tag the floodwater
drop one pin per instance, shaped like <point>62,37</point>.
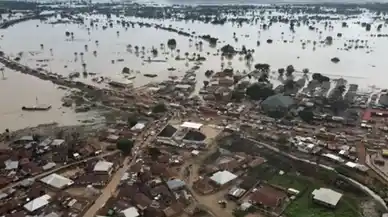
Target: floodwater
<point>362,66</point>
<point>17,90</point>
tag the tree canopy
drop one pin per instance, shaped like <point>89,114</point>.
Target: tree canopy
<point>125,145</point>
<point>154,153</point>
<point>159,108</point>
<point>259,92</point>
<point>306,115</point>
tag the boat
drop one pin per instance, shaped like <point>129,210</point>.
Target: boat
<point>120,84</point>
<point>37,108</point>
<point>171,69</point>
<point>130,77</point>
<point>151,75</point>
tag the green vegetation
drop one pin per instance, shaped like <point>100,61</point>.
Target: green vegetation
<point>305,207</point>
<point>290,181</point>
<point>125,145</point>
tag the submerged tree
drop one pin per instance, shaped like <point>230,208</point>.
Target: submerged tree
<point>289,70</point>
<point>281,71</point>
<point>259,92</point>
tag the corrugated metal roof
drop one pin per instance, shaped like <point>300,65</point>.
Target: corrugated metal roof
<point>57,181</point>
<point>37,203</point>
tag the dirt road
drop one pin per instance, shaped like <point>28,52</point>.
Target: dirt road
<point>108,190</point>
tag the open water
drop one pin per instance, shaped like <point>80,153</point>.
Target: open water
<point>364,66</point>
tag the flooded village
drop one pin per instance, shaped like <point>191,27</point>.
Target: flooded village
<point>149,110</point>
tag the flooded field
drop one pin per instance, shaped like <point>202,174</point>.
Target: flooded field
<point>363,66</point>
<point>17,90</point>
<point>103,50</point>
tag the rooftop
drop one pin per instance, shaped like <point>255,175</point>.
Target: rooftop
<point>175,184</point>
<point>223,177</point>
<point>57,181</point>
<point>37,203</point>
<point>327,196</point>
<point>191,125</point>
<point>11,165</point>
<point>102,166</point>
<point>138,126</point>
<point>130,212</point>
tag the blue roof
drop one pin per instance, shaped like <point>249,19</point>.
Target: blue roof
<point>175,184</point>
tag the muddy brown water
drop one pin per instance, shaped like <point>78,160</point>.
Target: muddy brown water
<point>362,66</point>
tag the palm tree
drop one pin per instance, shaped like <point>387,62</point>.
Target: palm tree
<point>281,71</point>
<point>2,73</point>
<point>290,69</point>
<point>305,71</point>
<point>187,54</point>
<point>136,48</point>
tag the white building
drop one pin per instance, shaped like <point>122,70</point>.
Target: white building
<point>192,125</point>
<point>130,212</point>
<point>103,167</point>
<point>57,181</point>
<point>223,177</point>
<point>37,203</point>
<point>326,197</point>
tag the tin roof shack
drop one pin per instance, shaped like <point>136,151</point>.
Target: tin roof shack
<point>236,193</point>
<point>176,184</point>
<point>326,197</point>
<point>267,197</point>
<point>57,182</point>
<point>38,203</point>
<point>103,167</point>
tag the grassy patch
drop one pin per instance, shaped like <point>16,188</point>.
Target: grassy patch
<point>303,206</point>
<point>289,181</point>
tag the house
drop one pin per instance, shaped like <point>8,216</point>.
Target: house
<point>223,177</point>
<point>268,197</point>
<point>37,203</point>
<point>130,212</point>
<point>11,164</point>
<point>56,181</point>
<point>103,167</point>
<point>175,184</point>
<point>326,197</point>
